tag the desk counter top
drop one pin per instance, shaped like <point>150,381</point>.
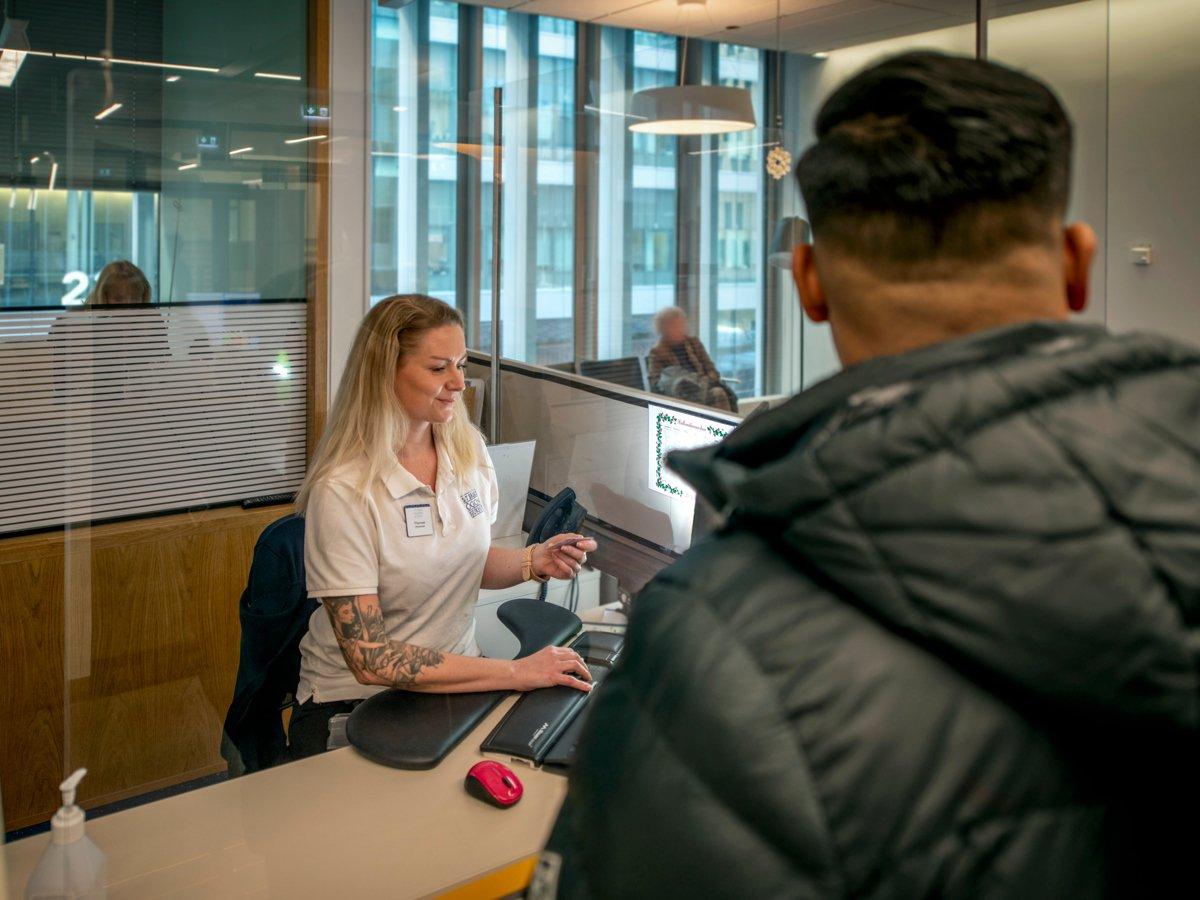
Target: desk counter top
<point>328,826</point>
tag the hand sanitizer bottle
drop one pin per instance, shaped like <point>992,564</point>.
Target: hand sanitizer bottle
<point>72,866</point>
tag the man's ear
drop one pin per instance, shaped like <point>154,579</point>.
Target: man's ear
<point>808,283</point>
<point>1079,247</point>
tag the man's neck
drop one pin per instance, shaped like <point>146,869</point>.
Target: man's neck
<point>888,318</point>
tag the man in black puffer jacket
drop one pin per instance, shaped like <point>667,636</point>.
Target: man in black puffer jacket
<point>946,642</point>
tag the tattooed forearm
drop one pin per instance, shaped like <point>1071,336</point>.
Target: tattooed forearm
<point>399,663</point>
<point>361,633</point>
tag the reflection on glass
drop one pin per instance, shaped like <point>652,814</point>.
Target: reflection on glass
<point>138,405</point>
<point>54,250</point>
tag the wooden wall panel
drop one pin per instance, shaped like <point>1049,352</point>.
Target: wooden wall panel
<point>149,615</point>
<point>31,678</point>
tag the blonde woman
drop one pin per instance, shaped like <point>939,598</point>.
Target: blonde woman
<point>119,282</point>
<point>398,504</point>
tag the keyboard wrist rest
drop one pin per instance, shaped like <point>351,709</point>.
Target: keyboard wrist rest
<point>535,722</point>
<point>415,730</point>
<point>537,624</point>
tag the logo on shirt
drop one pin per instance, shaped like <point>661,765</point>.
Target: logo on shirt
<point>473,504</point>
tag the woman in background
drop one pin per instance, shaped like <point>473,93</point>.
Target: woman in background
<point>119,282</point>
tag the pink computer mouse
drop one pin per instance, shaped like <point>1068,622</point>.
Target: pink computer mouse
<point>494,783</point>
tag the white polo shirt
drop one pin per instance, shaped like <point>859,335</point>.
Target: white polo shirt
<point>422,552</point>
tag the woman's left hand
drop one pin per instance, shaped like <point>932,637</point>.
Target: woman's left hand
<point>562,556</point>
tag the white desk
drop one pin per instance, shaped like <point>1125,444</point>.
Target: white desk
<point>334,825</point>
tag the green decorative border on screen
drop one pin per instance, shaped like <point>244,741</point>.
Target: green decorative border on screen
<point>718,433</point>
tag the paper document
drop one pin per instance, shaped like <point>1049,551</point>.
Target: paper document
<point>672,430</point>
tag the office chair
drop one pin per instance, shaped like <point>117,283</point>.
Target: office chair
<point>274,610</point>
<point>628,371</point>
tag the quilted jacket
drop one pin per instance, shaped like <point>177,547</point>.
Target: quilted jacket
<point>946,643</point>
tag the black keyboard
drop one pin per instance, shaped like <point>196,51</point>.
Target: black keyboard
<point>541,720</point>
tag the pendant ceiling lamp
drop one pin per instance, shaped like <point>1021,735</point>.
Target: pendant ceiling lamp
<point>690,109</point>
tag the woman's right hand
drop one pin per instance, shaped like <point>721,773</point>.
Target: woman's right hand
<point>551,666</point>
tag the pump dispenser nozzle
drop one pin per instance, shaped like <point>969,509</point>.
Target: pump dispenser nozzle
<point>67,824</point>
<point>68,786</point>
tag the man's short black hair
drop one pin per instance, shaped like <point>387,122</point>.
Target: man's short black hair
<point>929,158</point>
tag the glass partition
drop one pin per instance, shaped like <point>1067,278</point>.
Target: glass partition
<point>155,173</point>
<point>604,228</point>
<point>193,172</point>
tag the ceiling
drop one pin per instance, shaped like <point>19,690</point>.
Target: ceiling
<point>805,26</point>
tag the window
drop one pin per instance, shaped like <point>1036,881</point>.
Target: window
<point>636,207</point>
<point>735,299</point>
<point>414,146</point>
<point>188,175</point>
<point>553,339</point>
<point>671,221</point>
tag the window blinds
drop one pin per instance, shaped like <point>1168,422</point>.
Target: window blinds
<point>115,412</point>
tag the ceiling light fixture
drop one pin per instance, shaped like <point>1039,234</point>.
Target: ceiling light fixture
<point>240,150</point>
<point>277,75</point>
<point>120,61</point>
<point>14,46</point>
<point>311,137</point>
<point>171,79</point>
<point>53,175</point>
<point>692,109</point>
<point>187,166</point>
<point>107,111</point>
<point>33,160</point>
<point>157,65</point>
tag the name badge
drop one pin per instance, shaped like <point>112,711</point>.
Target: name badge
<point>418,520</point>
<point>473,504</point>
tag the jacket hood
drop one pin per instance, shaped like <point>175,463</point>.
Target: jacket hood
<point>1025,502</point>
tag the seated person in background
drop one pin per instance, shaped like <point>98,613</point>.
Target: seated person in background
<point>399,501</point>
<point>101,371</point>
<point>119,282</point>
<point>947,643</point>
<point>679,366</point>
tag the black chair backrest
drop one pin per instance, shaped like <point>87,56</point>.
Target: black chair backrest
<point>274,611</point>
<point>628,371</point>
